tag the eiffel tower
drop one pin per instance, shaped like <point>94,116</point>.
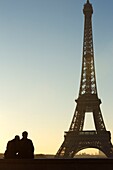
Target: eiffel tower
<point>76,138</point>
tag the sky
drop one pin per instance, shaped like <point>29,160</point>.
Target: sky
<point>41,45</point>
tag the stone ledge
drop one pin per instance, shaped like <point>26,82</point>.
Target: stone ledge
<point>57,164</point>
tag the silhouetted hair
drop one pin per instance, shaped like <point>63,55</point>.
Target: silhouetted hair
<point>17,137</point>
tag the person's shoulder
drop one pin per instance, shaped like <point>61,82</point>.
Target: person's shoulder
<point>29,140</point>
<point>10,141</point>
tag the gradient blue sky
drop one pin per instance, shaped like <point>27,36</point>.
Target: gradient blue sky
<point>40,67</point>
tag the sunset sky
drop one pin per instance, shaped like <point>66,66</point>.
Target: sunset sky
<point>40,66</point>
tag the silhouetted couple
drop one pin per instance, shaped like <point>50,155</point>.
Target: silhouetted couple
<point>20,149</point>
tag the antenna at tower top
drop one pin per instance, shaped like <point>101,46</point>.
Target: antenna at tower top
<point>87,1</point>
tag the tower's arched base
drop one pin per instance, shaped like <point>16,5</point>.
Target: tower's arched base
<point>76,141</point>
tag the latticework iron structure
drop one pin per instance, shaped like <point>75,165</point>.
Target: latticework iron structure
<point>76,138</point>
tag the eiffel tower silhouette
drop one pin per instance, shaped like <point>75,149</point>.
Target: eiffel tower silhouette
<point>76,139</point>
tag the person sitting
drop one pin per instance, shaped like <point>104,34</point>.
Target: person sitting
<point>26,150</point>
<point>12,148</point>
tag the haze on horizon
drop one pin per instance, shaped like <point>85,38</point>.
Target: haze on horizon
<point>40,66</point>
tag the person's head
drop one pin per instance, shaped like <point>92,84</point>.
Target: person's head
<point>17,138</point>
<point>25,134</point>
